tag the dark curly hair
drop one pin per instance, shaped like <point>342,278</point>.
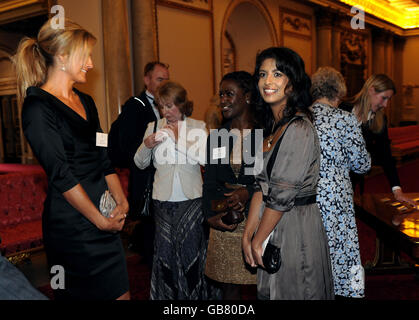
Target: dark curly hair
<point>245,81</point>
<point>297,89</point>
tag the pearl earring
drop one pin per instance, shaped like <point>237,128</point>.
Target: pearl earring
<point>247,101</point>
<point>63,68</point>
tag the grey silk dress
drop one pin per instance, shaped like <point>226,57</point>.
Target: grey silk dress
<point>305,272</point>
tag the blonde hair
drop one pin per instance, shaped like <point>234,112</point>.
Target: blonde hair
<point>362,101</point>
<point>328,83</point>
<point>34,57</point>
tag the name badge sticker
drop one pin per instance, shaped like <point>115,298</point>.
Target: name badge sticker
<point>219,153</point>
<point>101,139</point>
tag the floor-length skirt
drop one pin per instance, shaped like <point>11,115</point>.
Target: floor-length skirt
<point>180,248</point>
<point>305,272</point>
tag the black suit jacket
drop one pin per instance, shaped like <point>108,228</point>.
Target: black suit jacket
<point>379,146</point>
<point>217,174</point>
<point>135,115</point>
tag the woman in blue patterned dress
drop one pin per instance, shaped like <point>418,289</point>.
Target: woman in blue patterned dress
<point>342,150</point>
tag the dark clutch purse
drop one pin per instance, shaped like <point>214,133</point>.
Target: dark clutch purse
<point>271,258</point>
<point>232,216</point>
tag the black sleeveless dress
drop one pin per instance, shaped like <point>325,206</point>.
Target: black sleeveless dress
<point>65,145</point>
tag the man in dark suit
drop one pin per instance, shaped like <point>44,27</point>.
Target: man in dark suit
<point>136,113</point>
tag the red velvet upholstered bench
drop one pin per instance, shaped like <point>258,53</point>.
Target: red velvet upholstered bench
<point>404,141</point>
<point>22,193</point>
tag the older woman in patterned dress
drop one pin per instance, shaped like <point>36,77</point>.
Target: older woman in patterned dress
<point>342,150</point>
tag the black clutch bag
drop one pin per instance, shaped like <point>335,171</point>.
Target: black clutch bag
<point>232,216</point>
<point>271,258</point>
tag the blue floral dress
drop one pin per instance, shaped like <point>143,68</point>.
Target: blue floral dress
<point>342,150</point>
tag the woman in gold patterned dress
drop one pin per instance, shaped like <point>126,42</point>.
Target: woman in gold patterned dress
<point>228,174</point>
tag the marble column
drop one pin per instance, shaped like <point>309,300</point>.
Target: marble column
<point>144,38</point>
<point>389,63</point>
<point>379,39</point>
<point>117,56</point>
<point>383,62</point>
<point>337,29</point>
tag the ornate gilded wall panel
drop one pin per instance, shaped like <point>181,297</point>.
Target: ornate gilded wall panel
<point>296,32</point>
<point>353,56</point>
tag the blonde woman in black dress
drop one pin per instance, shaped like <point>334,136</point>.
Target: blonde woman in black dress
<point>61,125</point>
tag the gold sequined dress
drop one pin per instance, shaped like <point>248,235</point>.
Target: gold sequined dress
<point>225,261</point>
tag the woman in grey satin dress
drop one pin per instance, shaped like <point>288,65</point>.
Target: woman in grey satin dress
<point>283,208</point>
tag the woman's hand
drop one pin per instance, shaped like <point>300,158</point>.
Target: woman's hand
<point>247,250</point>
<point>173,130</point>
<point>150,142</point>
<point>237,199</point>
<point>401,197</point>
<point>257,252</point>
<point>216,223</point>
<point>116,220</point>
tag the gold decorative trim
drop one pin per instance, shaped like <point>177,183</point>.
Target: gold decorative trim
<point>21,256</point>
<point>8,5</point>
<point>369,18</point>
<point>304,31</point>
<point>187,5</point>
<point>295,23</point>
<point>388,11</point>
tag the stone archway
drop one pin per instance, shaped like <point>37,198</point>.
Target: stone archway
<point>247,29</point>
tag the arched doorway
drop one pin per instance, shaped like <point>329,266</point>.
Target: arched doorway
<point>247,29</point>
<point>10,135</point>
<point>13,146</point>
